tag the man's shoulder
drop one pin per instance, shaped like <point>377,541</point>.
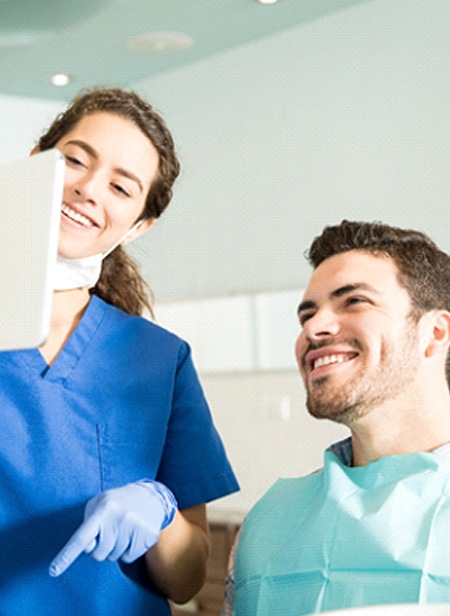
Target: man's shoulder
<point>285,493</point>
<point>273,520</point>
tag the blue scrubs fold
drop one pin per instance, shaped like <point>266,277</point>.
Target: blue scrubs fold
<point>121,401</point>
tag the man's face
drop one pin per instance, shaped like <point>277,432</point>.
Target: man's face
<point>359,346</point>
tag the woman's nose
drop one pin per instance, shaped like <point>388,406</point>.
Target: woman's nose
<point>87,187</point>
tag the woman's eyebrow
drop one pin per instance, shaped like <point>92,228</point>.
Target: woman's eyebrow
<point>84,146</point>
<point>130,176</point>
<point>94,154</point>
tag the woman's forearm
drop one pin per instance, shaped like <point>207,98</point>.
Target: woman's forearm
<point>177,563</point>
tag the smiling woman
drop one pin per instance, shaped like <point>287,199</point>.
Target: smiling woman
<point>105,428</point>
<point>120,282</point>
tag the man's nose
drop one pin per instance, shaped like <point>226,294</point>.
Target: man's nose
<point>323,323</point>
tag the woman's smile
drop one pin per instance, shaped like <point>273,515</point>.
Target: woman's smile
<point>77,217</point>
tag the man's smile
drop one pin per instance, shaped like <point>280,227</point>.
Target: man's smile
<point>327,357</point>
<point>326,360</point>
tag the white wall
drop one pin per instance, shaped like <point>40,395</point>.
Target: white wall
<point>260,444</point>
<point>346,116</point>
<point>22,121</point>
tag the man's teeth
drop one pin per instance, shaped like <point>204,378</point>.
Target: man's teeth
<point>329,359</point>
<point>83,220</point>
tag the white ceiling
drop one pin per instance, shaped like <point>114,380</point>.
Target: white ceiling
<point>287,117</point>
<point>88,39</point>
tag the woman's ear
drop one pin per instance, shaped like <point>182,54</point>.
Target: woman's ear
<point>141,227</point>
<point>440,338</point>
<point>34,150</point>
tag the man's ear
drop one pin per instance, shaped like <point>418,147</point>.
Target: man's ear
<point>440,336</point>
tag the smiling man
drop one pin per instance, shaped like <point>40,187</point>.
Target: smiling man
<point>373,525</point>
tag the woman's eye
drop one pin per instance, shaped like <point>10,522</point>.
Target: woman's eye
<point>120,189</point>
<point>73,160</point>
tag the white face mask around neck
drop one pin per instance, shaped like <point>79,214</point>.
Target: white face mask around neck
<point>83,273</point>
<point>77,273</point>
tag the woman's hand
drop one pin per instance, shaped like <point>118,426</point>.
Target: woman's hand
<point>120,523</point>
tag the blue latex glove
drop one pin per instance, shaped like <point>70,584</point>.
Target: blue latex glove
<point>120,523</point>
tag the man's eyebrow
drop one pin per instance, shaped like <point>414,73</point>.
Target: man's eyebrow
<point>339,292</point>
<point>351,288</point>
<point>306,305</point>
<point>93,152</point>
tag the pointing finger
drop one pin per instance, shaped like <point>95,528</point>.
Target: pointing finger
<point>83,540</point>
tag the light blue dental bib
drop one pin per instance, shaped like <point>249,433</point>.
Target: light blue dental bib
<point>347,537</point>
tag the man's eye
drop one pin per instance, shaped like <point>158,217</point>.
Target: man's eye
<point>355,300</point>
<point>305,317</point>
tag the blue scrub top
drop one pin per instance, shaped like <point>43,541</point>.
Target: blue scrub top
<point>122,401</point>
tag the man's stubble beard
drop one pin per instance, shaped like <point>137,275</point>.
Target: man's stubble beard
<point>369,388</point>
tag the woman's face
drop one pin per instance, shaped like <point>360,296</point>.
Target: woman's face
<point>110,166</point>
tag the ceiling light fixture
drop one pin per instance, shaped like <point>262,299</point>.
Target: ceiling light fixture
<point>267,1</point>
<point>21,38</point>
<point>60,80</point>
<point>154,42</point>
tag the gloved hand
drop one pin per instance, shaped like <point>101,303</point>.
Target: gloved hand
<point>120,523</point>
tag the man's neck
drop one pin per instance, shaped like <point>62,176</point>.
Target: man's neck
<point>391,431</point>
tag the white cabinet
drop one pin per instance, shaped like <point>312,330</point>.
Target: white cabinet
<point>238,333</point>
<point>277,329</point>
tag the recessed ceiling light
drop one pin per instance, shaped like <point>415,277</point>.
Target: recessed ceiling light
<point>60,80</point>
<point>153,42</point>
<point>267,1</point>
<point>20,38</point>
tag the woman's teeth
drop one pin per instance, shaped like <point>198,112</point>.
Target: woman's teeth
<point>83,220</point>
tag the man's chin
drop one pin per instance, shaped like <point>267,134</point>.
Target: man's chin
<point>328,409</point>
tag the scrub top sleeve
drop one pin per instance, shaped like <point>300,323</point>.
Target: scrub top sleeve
<point>194,464</point>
